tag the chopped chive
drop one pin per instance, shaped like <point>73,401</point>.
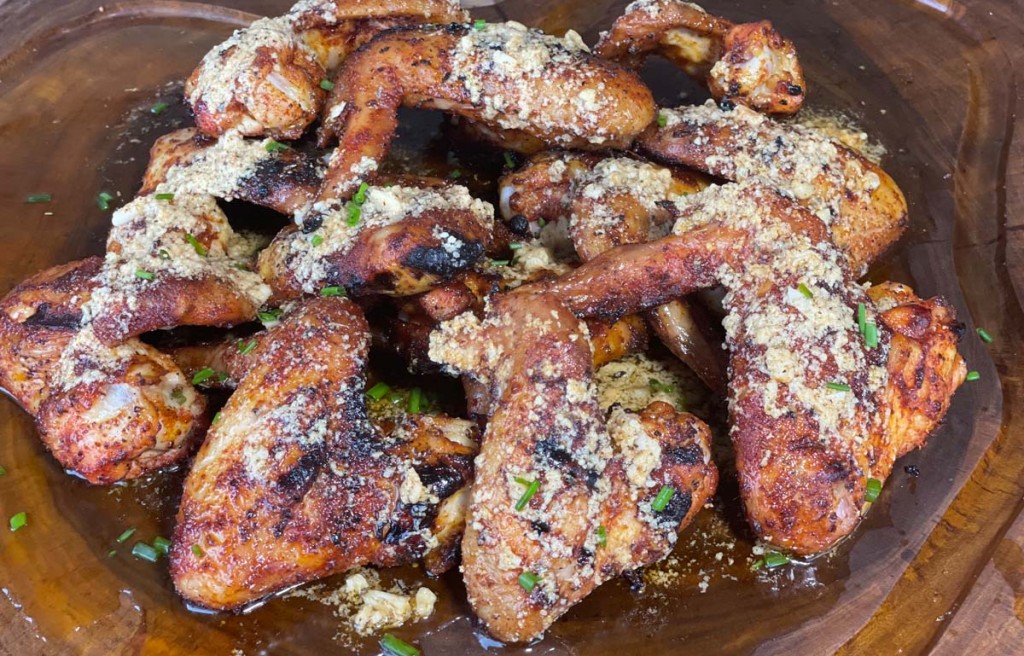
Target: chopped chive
<point>177,395</point>
<point>200,249</point>
<point>124,536</point>
<point>415,397</point>
<point>515,246</point>
<point>145,275</point>
<point>111,553</point>
<point>397,647</point>
<point>455,175</point>
<point>531,489</point>
<point>602,536</point>
<point>360,196</point>
<point>872,489</point>
<point>273,146</point>
<point>871,335</point>
<point>164,255</point>
<point>805,290</point>
<point>838,387</point>
<point>541,223</point>
<point>316,240</point>
<point>774,559</point>
<point>985,337</point>
<point>222,376</point>
<point>658,386</point>
<point>269,316</point>
<point>662,120</point>
<point>197,551</point>
<point>862,317</point>
<point>333,291</point>
<point>3,472</point>
<point>378,391</point>
<point>510,162</point>
<point>159,108</point>
<point>103,200</point>
<point>479,24</point>
<point>972,375</point>
<point>216,417</point>
<point>162,545</point>
<point>665,495</point>
<point>247,347</point>
<point>203,375</point>
<point>38,198</point>
<point>327,85</point>
<point>145,552</point>
<point>167,196</point>
<point>354,211</point>
<point>241,266</point>
<point>528,581</point>
<point>19,521</point>
<point>501,262</point>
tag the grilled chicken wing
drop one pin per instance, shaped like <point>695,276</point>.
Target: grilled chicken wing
<point>398,240</point>
<point>294,483</point>
<point>818,404</point>
<point>855,197</point>
<point>503,76</point>
<point>562,500</point>
<point>748,64</point>
<point>106,414</point>
<point>267,79</point>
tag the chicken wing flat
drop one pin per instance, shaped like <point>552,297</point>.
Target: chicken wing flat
<point>294,483</point>
<point>397,240</point>
<point>502,75</point>
<point>107,414</point>
<point>562,500</point>
<point>826,387</point>
<point>859,201</point>
<point>748,64</point>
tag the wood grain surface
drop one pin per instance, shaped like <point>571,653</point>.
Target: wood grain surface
<point>938,566</point>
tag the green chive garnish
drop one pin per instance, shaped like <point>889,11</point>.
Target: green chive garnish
<point>200,249</point>
<point>360,196</point>
<point>501,262</point>
<point>178,395</point>
<point>972,375</point>
<point>805,290</point>
<point>354,211</point>
<point>162,545</point>
<point>528,581</point>
<point>774,559</point>
<point>985,337</point>
<point>38,198</point>
<point>515,246</point>
<point>838,387</point>
<point>602,536</point>
<point>872,489</point>
<point>145,552</point>
<point>111,553</point>
<point>203,375</point>
<point>197,551</point>
<point>415,397</point>
<point>19,521</point>
<point>316,240</point>
<point>327,85</point>
<point>159,108</point>
<point>103,200</point>
<point>397,647</point>
<point>665,495</point>
<point>862,317</point>
<point>333,291</point>
<point>216,417</point>
<point>378,391</point>
<point>3,472</point>
<point>531,489</point>
<point>124,536</point>
<point>479,24</point>
<point>269,316</point>
<point>510,162</point>
<point>658,386</point>
<point>871,335</point>
<point>145,275</point>
<point>455,175</point>
<point>164,255</point>
<point>662,120</point>
<point>245,348</point>
<point>167,196</point>
<point>275,146</point>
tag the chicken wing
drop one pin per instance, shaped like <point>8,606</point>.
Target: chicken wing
<point>825,390</point>
<point>859,201</point>
<point>294,483</point>
<point>503,75</point>
<point>748,64</point>
<point>562,500</point>
<point>107,414</point>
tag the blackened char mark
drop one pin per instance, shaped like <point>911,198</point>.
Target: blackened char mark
<point>442,262</point>
<point>677,507</point>
<point>551,452</point>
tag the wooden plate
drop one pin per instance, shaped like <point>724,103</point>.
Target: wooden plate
<point>937,565</point>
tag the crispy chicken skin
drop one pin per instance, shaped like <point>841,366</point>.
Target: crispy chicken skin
<point>403,240</point>
<point>747,64</point>
<point>294,483</point>
<point>266,79</point>
<point>815,410</point>
<point>859,201</point>
<point>106,414</point>
<point>503,76</point>
<point>528,558</point>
